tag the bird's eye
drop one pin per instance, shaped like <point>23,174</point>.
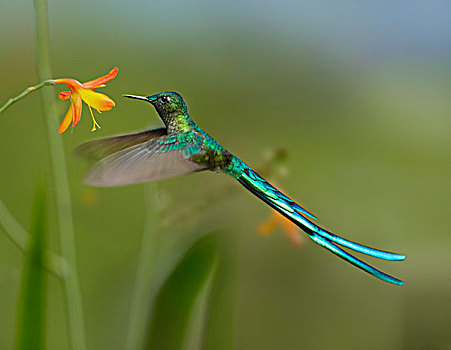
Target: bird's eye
<point>164,99</point>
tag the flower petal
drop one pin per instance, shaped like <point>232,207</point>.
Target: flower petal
<point>75,102</point>
<point>96,83</point>
<point>72,84</point>
<point>269,225</point>
<point>64,95</point>
<point>66,121</point>
<point>97,100</point>
<point>291,230</point>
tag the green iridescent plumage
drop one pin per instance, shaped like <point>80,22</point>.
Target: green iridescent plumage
<point>183,147</point>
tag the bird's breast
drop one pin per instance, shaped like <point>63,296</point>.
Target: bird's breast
<point>213,159</point>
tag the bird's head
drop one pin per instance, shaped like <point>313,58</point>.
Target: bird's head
<point>166,103</point>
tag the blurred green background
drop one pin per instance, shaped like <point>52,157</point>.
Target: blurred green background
<point>357,92</point>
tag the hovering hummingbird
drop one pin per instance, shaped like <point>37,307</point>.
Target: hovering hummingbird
<point>182,147</point>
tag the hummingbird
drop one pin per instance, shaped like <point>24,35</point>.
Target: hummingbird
<point>182,147</point>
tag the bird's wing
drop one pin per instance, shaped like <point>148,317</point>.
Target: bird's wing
<point>101,148</point>
<point>157,159</point>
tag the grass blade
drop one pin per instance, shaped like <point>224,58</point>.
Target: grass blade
<point>220,324</point>
<point>175,302</point>
<point>32,300</point>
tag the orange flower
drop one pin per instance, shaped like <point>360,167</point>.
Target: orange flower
<point>85,92</point>
<point>277,219</point>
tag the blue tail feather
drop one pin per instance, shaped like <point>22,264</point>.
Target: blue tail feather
<point>284,205</point>
<point>273,194</point>
<point>353,260</point>
<point>380,254</point>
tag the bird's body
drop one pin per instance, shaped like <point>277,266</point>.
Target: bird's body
<point>182,147</point>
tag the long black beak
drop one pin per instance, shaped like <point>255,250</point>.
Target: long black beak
<point>136,97</point>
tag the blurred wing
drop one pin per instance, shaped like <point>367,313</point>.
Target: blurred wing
<point>157,159</point>
<point>99,149</point>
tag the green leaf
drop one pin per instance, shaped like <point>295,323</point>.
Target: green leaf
<point>32,300</point>
<point>175,302</point>
<point>220,323</point>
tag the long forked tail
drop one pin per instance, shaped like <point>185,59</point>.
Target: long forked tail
<point>277,200</point>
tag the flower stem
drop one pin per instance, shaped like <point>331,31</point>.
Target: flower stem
<point>71,285</point>
<point>27,91</point>
<point>145,272</point>
<point>12,228</point>
<point>21,239</point>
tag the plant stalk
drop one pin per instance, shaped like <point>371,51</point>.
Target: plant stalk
<point>144,274</point>
<point>71,284</point>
